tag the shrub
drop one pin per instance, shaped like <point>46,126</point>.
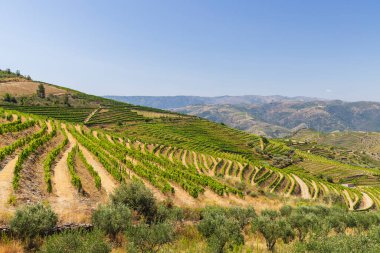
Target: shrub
<point>168,213</point>
<point>33,220</point>
<point>222,226</point>
<point>112,219</point>
<point>76,242</point>
<point>286,210</point>
<point>341,243</point>
<point>41,91</point>
<point>302,223</point>
<point>137,197</point>
<point>149,238</point>
<point>273,227</point>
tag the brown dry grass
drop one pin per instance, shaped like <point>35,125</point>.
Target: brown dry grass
<point>147,114</point>
<point>23,88</point>
<point>11,247</point>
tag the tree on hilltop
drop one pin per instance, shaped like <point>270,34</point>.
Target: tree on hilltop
<point>41,91</point>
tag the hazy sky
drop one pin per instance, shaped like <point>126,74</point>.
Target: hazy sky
<point>320,48</point>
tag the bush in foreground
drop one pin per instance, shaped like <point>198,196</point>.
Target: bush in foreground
<point>137,197</point>
<point>76,242</point>
<point>33,220</point>
<point>222,227</point>
<point>149,238</point>
<point>112,219</point>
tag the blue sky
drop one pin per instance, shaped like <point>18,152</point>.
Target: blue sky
<point>324,48</point>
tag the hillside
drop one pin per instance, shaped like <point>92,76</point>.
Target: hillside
<point>273,116</point>
<point>76,152</point>
<point>193,161</point>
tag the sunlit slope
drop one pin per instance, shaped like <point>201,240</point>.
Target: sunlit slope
<point>74,154</point>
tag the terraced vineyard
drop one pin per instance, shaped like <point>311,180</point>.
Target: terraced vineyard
<point>74,167</point>
<point>73,155</point>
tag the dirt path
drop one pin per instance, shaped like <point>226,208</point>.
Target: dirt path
<point>348,197</point>
<point>91,114</point>
<point>78,128</point>
<point>183,158</point>
<point>170,155</point>
<point>32,185</point>
<point>108,184</point>
<point>62,183</point>
<point>316,190</point>
<point>95,134</point>
<point>305,194</point>
<point>15,117</point>
<point>325,188</point>
<point>196,162</point>
<point>228,168</point>
<point>109,139</point>
<point>214,164</point>
<point>66,201</point>
<point>182,198</point>
<point>205,162</point>
<point>241,167</point>
<point>6,175</point>
<point>292,183</point>
<point>367,202</point>
<point>49,127</point>
<point>279,179</point>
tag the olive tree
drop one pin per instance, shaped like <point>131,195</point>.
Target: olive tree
<point>149,237</point>
<point>112,219</point>
<point>137,197</point>
<point>273,227</point>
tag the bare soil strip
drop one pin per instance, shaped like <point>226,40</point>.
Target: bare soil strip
<point>95,134</point>
<point>49,127</point>
<point>205,162</point>
<point>280,178</point>
<point>67,202</point>
<point>350,202</point>
<point>196,162</point>
<point>366,203</point>
<point>325,188</point>
<point>305,194</point>
<point>33,188</point>
<point>94,195</point>
<point>91,114</point>
<point>184,154</point>
<point>9,138</point>
<point>6,176</point>
<point>315,189</point>
<point>108,184</point>
<point>109,139</point>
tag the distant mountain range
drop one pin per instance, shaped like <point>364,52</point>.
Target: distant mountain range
<point>273,116</point>
<point>172,102</point>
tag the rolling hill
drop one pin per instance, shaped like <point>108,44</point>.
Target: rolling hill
<point>273,116</point>
<point>72,149</point>
<point>76,153</point>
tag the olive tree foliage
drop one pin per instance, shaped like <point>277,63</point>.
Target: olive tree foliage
<point>137,197</point>
<point>112,219</point>
<point>33,220</point>
<point>76,242</point>
<point>341,243</point>
<point>273,227</point>
<point>41,91</point>
<point>222,227</point>
<point>149,237</point>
